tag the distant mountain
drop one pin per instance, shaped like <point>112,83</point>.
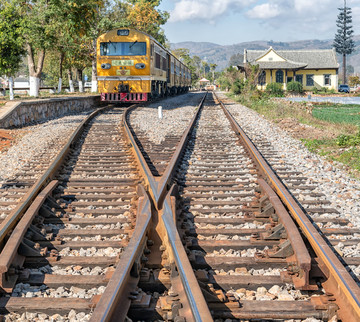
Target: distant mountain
<point>220,55</point>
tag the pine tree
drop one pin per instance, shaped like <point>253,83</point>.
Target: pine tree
<point>343,41</point>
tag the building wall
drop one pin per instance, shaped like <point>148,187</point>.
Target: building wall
<point>319,78</point>
<point>271,56</point>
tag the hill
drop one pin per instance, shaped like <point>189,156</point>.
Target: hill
<point>220,55</point>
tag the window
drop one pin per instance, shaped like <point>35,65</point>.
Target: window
<point>310,80</point>
<point>122,48</point>
<point>164,64</point>
<point>299,78</point>
<point>327,79</point>
<point>279,76</point>
<point>157,61</point>
<point>262,78</point>
<point>172,68</point>
<point>123,32</point>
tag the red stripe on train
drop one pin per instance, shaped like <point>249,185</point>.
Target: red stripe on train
<point>124,97</point>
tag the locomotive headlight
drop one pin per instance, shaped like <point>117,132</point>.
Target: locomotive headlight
<point>105,66</point>
<point>140,66</point>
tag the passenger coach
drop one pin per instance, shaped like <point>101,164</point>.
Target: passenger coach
<point>132,66</point>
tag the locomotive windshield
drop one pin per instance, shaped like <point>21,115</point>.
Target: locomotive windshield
<point>123,48</point>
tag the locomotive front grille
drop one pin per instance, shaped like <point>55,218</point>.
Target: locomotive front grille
<point>124,97</point>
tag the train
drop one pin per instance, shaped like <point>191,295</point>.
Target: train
<point>133,67</point>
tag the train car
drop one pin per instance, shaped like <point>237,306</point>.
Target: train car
<point>133,67</point>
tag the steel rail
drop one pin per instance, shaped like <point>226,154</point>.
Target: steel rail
<point>12,219</point>
<point>302,255</point>
<point>198,305</point>
<point>115,302</point>
<point>10,250</point>
<point>158,186</point>
<point>143,166</point>
<point>339,282</point>
<point>192,290</point>
<point>163,183</point>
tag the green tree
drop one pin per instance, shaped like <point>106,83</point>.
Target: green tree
<point>11,41</point>
<point>343,42</point>
<point>354,81</point>
<point>39,35</point>
<point>236,59</point>
<point>212,68</point>
<point>143,15</point>
<point>231,78</point>
<point>75,20</point>
<point>197,64</point>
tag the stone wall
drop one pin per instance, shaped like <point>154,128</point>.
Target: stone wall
<point>27,112</point>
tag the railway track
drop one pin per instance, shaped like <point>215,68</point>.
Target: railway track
<point>71,237</point>
<point>202,231</point>
<point>233,214</point>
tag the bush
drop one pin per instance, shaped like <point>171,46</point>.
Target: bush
<point>238,86</point>
<point>295,87</point>
<point>348,140</point>
<point>315,90</point>
<point>275,89</point>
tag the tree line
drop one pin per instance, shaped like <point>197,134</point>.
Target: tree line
<point>61,34</point>
<point>199,68</point>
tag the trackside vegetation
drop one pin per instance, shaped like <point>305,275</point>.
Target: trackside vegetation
<point>60,35</point>
<point>330,130</point>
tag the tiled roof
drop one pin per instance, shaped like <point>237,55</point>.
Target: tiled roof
<point>312,59</point>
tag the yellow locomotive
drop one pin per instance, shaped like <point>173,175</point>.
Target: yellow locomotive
<point>133,67</point>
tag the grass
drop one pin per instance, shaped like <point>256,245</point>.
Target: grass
<point>348,114</point>
<point>338,125</point>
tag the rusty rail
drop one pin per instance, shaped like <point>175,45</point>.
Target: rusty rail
<point>195,307</point>
<point>302,255</point>
<point>163,184</point>
<point>9,254</point>
<point>115,302</point>
<point>159,186</point>
<point>339,282</point>
<point>12,219</point>
<point>197,304</point>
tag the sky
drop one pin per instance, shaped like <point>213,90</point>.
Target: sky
<point>228,22</point>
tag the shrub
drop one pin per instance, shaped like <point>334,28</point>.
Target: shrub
<point>348,140</point>
<point>295,87</point>
<point>275,89</point>
<point>238,86</point>
<point>315,90</point>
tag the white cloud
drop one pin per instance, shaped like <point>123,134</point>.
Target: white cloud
<point>304,16</point>
<point>264,11</point>
<point>205,9</point>
<point>305,5</point>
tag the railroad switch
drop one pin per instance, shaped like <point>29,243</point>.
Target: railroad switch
<point>326,303</point>
<point>29,248</point>
<point>284,250</point>
<point>277,233</point>
<point>139,299</point>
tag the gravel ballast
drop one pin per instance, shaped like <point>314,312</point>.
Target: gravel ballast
<point>40,141</point>
<point>177,113</point>
<point>339,188</point>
